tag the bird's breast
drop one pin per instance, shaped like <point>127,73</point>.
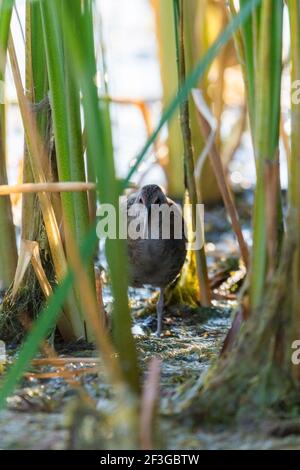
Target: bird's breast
<point>155,262</point>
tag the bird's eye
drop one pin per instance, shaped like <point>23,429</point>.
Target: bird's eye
<point>140,201</point>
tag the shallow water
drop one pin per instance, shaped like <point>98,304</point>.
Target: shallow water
<point>37,414</point>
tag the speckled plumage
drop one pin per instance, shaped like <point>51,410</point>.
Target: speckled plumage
<point>156,262</point>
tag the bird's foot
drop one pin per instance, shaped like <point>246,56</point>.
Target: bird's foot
<point>157,334</point>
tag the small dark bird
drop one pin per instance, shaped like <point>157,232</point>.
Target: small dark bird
<point>155,259</point>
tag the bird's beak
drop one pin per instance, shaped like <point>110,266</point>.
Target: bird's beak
<point>145,222</point>
<point>148,208</point>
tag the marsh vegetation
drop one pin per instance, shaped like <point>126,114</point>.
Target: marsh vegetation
<point>78,350</point>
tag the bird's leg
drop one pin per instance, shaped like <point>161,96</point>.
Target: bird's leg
<point>160,311</point>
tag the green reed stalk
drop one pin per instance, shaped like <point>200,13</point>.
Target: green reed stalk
<point>260,50</point>
<point>33,227</point>
<point>100,153</point>
<point>168,71</point>
<point>55,64</point>
<point>249,52</point>
<point>76,153</point>
<point>294,170</point>
<point>65,106</point>
<point>75,140</point>
<point>267,215</point>
<point>8,249</point>
<point>36,90</point>
<point>189,152</point>
<point>194,43</point>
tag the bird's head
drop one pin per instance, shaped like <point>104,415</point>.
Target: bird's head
<point>149,195</point>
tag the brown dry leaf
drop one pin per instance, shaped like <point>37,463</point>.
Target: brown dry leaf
<point>26,250</point>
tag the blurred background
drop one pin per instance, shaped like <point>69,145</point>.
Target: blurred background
<point>136,58</point>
